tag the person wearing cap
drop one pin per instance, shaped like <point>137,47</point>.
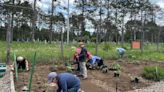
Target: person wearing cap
<point>22,63</point>
<point>82,60</point>
<point>121,52</point>
<point>66,82</point>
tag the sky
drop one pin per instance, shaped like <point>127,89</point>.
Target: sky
<point>46,6</point>
<point>45,3</point>
<point>160,21</point>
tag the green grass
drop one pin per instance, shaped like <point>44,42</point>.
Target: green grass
<point>153,73</point>
<point>52,52</point>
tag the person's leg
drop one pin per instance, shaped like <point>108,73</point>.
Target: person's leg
<point>84,70</point>
<point>18,65</point>
<point>23,64</point>
<point>74,89</point>
<point>121,54</point>
<point>80,68</point>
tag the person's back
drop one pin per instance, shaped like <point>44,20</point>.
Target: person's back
<point>67,81</point>
<point>96,58</point>
<point>121,50</point>
<point>83,54</point>
<point>22,63</point>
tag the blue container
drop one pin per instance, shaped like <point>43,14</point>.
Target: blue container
<point>3,68</point>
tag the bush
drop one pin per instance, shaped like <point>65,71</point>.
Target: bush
<point>153,73</point>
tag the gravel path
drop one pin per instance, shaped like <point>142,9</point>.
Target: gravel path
<point>6,83</point>
<point>156,87</point>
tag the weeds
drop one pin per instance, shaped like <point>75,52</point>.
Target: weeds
<point>153,73</point>
<point>51,52</point>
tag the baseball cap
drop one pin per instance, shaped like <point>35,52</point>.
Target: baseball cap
<point>51,76</point>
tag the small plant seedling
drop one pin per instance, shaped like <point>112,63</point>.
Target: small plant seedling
<point>116,73</point>
<point>135,80</point>
<point>104,68</point>
<point>116,66</point>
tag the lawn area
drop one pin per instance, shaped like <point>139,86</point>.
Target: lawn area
<point>52,52</point>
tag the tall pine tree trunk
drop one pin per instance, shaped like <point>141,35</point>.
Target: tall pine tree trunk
<point>8,39</point>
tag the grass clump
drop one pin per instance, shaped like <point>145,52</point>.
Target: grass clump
<point>155,73</point>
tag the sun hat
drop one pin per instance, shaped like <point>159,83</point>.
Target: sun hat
<point>81,43</point>
<point>20,58</point>
<point>51,76</point>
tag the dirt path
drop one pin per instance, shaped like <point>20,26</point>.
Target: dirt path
<point>87,86</point>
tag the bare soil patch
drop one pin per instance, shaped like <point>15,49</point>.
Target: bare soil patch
<point>96,82</point>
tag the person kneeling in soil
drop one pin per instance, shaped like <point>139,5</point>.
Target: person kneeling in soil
<point>22,63</point>
<point>66,82</point>
<point>95,62</point>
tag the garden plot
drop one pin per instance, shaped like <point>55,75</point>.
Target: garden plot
<point>96,82</point>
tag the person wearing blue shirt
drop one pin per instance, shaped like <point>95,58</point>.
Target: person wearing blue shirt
<point>121,52</point>
<point>66,82</point>
<point>96,60</point>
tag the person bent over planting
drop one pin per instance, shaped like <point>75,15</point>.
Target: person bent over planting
<point>22,63</point>
<point>82,60</point>
<point>66,82</point>
<point>95,61</point>
<point>121,52</point>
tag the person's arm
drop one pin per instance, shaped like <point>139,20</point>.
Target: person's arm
<point>59,89</point>
<point>27,67</point>
<point>63,86</point>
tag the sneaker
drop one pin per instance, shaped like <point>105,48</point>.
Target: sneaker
<point>84,78</point>
<point>80,90</point>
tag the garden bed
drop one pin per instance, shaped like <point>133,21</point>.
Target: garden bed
<point>97,81</point>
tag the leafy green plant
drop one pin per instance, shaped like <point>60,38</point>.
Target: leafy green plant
<point>153,73</point>
<point>116,67</point>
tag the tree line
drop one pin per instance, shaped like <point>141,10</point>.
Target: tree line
<point>111,20</point>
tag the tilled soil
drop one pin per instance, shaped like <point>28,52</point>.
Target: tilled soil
<point>96,82</point>
<point>6,82</point>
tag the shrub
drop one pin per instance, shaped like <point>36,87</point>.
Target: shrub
<point>153,73</point>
